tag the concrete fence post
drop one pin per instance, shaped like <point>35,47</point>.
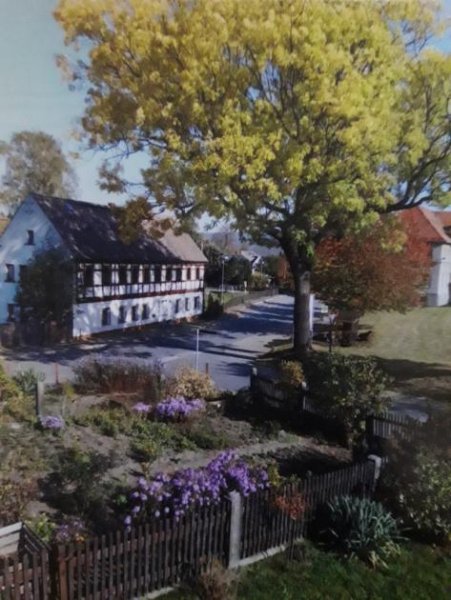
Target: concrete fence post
<point>39,396</point>
<point>377,468</point>
<point>236,521</point>
<point>253,378</point>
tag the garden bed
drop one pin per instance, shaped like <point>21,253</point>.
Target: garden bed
<point>84,458</point>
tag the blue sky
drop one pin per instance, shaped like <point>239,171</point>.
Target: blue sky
<point>33,95</point>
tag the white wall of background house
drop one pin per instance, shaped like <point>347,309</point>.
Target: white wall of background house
<point>139,304</point>
<point>28,233</point>
<point>439,292</point>
<point>98,307</point>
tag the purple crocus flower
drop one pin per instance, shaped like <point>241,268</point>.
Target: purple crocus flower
<point>51,422</point>
<point>177,493</point>
<point>141,408</point>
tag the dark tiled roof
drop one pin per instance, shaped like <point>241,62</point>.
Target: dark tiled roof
<point>90,233</point>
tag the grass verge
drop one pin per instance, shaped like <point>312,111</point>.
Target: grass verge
<point>418,573</point>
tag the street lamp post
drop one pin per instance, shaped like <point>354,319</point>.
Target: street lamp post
<point>197,347</point>
<point>222,280</point>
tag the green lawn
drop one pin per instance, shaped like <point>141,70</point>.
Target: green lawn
<point>420,335</point>
<point>418,573</point>
<point>415,348</point>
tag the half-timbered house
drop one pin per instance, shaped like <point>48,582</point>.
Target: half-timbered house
<point>116,285</point>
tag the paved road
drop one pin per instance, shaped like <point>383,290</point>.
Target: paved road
<point>229,345</point>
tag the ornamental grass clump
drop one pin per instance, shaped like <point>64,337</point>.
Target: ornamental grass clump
<point>178,408</point>
<point>100,375</point>
<point>360,527</point>
<point>177,493</point>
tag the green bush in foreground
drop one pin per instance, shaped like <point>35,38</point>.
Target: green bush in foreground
<point>417,480</point>
<point>347,388</point>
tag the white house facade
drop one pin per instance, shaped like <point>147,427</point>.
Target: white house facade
<point>115,285</point>
<point>439,291</point>
<point>433,227</point>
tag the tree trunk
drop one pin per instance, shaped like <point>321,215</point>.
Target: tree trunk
<point>301,313</point>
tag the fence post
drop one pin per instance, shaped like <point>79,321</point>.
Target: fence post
<point>57,571</point>
<point>377,460</point>
<point>235,529</point>
<point>39,395</point>
<point>252,382</point>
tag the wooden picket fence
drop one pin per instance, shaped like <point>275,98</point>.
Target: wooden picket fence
<point>388,425</point>
<point>25,576</point>
<point>384,426</point>
<point>274,519</point>
<point>131,563</point>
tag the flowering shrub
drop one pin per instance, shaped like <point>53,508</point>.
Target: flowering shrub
<point>71,530</point>
<point>175,494</point>
<point>141,408</point>
<point>51,422</point>
<point>178,408</point>
<point>294,506</point>
<point>191,383</point>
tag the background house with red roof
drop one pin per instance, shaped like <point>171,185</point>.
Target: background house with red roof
<point>434,229</point>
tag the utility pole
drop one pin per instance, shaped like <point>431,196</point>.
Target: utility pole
<point>222,280</point>
<point>197,347</point>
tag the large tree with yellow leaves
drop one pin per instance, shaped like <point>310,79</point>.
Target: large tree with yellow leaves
<point>294,118</point>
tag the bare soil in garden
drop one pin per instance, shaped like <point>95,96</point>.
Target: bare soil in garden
<point>29,453</point>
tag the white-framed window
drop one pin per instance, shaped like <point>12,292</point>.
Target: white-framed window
<point>30,237</point>
<point>197,303</point>
<point>12,312</point>
<point>106,275</point>
<point>122,275</point>
<point>135,312</point>
<point>177,306</point>
<point>186,303</point>
<point>122,314</point>
<point>135,274</point>
<point>106,317</point>
<point>88,276</point>
<point>145,312</point>
<point>10,273</point>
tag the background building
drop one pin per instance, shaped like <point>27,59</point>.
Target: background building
<point>115,285</point>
